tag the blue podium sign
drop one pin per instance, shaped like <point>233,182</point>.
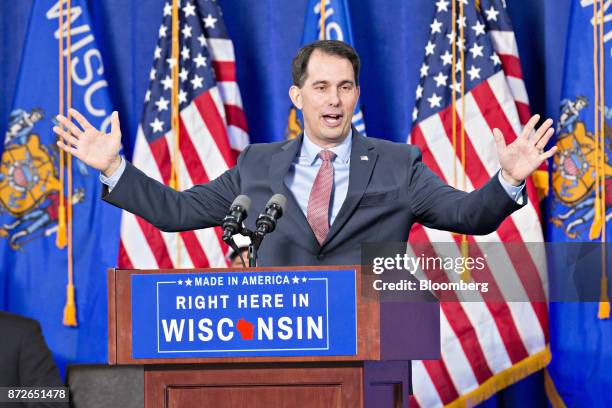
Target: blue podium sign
<point>238,314</point>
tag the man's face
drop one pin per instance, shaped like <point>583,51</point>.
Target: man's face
<point>327,98</point>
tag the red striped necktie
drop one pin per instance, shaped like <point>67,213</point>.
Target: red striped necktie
<point>317,213</point>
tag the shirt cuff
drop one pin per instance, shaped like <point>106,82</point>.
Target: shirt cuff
<point>514,192</point>
<point>113,179</point>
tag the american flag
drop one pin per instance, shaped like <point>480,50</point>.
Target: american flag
<point>485,346</point>
<point>212,133</point>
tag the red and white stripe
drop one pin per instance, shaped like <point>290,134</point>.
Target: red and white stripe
<point>213,131</point>
<point>481,339</point>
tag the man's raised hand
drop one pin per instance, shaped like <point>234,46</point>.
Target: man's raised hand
<point>94,148</point>
<point>523,156</point>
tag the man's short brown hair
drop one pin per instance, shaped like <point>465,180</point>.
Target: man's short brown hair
<point>337,48</point>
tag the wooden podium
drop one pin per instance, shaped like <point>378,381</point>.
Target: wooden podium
<point>377,376</point>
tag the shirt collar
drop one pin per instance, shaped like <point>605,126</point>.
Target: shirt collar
<point>310,150</point>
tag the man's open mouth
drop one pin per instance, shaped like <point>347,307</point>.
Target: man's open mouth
<point>332,119</point>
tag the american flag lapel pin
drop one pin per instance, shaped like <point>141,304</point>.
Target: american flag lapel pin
<point>364,158</point>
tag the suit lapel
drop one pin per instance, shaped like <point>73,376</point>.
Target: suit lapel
<point>363,159</point>
<point>281,161</point>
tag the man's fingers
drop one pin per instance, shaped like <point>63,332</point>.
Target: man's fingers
<point>530,125</point>
<point>68,149</point>
<point>499,139</point>
<point>69,125</point>
<point>68,137</point>
<point>541,143</point>
<point>115,128</point>
<point>81,119</point>
<point>549,153</point>
<point>542,129</point>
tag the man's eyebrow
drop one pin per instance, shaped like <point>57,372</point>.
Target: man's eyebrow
<point>324,82</point>
<point>320,82</point>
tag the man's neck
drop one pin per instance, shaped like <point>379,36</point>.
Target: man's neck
<point>328,145</point>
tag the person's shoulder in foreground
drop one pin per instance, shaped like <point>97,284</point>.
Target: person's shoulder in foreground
<point>26,359</point>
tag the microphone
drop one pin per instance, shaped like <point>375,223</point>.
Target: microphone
<point>266,222</point>
<point>238,211</point>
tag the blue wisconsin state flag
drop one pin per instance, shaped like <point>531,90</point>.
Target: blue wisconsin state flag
<point>337,26</point>
<point>581,368</point>
<point>33,274</point>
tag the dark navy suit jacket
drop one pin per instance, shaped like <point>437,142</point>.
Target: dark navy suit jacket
<point>387,193</point>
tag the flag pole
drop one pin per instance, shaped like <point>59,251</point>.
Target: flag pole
<point>70,307</point>
<point>174,179</point>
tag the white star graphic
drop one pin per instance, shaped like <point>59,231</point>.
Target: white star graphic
<point>147,95</point>
<point>456,87</point>
<point>186,31</point>
<point>167,82</point>
<point>478,28</point>
<point>447,58</point>
<point>171,62</point>
<point>461,43</point>
<point>440,79</point>
<point>474,73</point>
<point>458,67</point>
<point>419,92</point>
<point>185,52</point>
<point>200,61</point>
<point>167,9</point>
<point>152,74</point>
<point>451,37</point>
<point>157,52</point>
<point>495,58</point>
<point>434,101</point>
<point>429,48</point>
<point>183,74</point>
<point>197,82</point>
<point>476,50</point>
<point>182,96</point>
<point>415,114</point>
<point>189,10</point>
<point>162,31</point>
<point>436,26</point>
<point>188,281</point>
<point>304,279</point>
<point>180,282</point>
<point>491,14</point>
<point>157,125</point>
<point>202,40</point>
<point>209,21</point>
<point>442,5</point>
<point>424,70</point>
<point>162,104</point>
<point>296,279</point>
<point>461,21</point>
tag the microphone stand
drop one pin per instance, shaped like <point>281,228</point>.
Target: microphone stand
<point>256,238</point>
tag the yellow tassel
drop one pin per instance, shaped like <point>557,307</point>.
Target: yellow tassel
<point>604,303</point>
<point>60,239</point>
<point>597,221</point>
<point>604,311</point>
<point>541,183</point>
<point>70,307</point>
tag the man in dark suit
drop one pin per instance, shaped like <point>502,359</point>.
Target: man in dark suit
<point>342,188</point>
<point>25,359</point>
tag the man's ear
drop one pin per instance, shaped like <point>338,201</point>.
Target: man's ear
<point>295,94</point>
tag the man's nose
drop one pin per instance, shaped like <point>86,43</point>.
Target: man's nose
<point>334,98</point>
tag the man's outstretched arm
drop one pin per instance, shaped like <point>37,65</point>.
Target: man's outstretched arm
<point>169,210</point>
<point>440,206</point>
